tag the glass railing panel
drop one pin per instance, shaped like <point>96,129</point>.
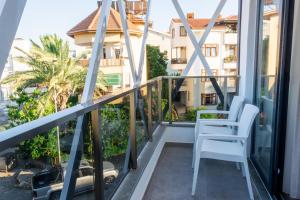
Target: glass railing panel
<point>155,105</point>
<point>141,122</point>
<point>198,93</point>
<point>36,168</point>
<point>164,100</point>
<point>115,128</point>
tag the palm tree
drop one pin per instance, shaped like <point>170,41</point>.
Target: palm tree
<point>52,70</point>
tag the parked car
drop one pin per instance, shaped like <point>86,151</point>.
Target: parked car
<point>47,184</point>
<point>8,161</point>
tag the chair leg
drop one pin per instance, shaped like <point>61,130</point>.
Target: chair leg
<point>245,164</point>
<point>238,167</point>
<point>194,151</point>
<point>243,170</point>
<point>196,170</point>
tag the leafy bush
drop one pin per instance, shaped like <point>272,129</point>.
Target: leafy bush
<point>115,129</point>
<point>192,114</point>
<point>27,109</point>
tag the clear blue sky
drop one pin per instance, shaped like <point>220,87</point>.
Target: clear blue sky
<point>58,16</point>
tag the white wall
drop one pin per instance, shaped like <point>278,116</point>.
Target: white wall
<point>161,40</point>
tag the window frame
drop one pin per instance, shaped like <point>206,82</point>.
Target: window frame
<point>212,98</point>
<point>182,31</point>
<point>210,47</point>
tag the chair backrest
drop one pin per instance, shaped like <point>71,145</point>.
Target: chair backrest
<point>235,107</point>
<point>247,118</point>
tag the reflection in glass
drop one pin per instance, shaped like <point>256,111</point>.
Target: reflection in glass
<point>266,84</point>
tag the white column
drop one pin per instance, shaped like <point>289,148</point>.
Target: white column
<point>247,52</point>
<point>247,49</point>
<point>10,15</point>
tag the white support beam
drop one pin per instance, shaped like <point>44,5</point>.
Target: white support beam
<point>204,36</point>
<point>127,40</point>
<point>10,15</point>
<point>192,37</point>
<point>90,82</point>
<point>248,36</point>
<point>145,36</point>
<point>88,92</point>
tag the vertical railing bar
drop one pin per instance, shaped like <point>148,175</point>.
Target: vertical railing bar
<point>98,154</point>
<point>140,107</point>
<point>127,156</point>
<point>149,103</point>
<point>170,99</point>
<point>133,154</point>
<point>159,88</point>
<point>225,93</point>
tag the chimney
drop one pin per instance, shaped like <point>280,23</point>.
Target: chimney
<point>99,2</point>
<point>190,16</point>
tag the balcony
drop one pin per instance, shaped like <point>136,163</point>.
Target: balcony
<point>143,132</point>
<point>112,62</point>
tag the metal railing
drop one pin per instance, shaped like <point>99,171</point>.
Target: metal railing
<point>147,106</point>
<point>112,62</point>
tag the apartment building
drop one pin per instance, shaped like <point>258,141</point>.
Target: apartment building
<point>115,63</point>
<point>220,51</point>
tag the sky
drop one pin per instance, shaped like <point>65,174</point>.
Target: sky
<point>58,16</point>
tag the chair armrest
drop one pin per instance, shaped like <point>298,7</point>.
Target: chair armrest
<point>212,112</point>
<point>221,137</point>
<point>217,123</point>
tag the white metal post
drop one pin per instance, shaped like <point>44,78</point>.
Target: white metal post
<point>92,74</point>
<point>204,36</point>
<point>192,37</point>
<point>90,83</point>
<point>145,35</point>
<point>10,15</point>
<point>127,40</point>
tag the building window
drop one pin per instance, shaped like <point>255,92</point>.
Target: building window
<point>104,53</point>
<point>210,50</point>
<point>204,73</point>
<point>209,99</point>
<point>173,33</point>
<point>179,55</point>
<point>231,51</point>
<point>117,53</point>
<point>182,31</point>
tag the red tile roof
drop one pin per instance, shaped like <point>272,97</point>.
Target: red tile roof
<point>89,24</point>
<point>201,23</point>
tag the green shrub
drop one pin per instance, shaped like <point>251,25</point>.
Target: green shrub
<point>192,113</point>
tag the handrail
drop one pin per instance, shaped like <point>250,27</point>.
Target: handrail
<point>14,136</point>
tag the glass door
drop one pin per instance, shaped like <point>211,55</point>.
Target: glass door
<point>266,83</point>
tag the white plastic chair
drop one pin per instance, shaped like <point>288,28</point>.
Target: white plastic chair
<point>220,146</point>
<point>233,112</point>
